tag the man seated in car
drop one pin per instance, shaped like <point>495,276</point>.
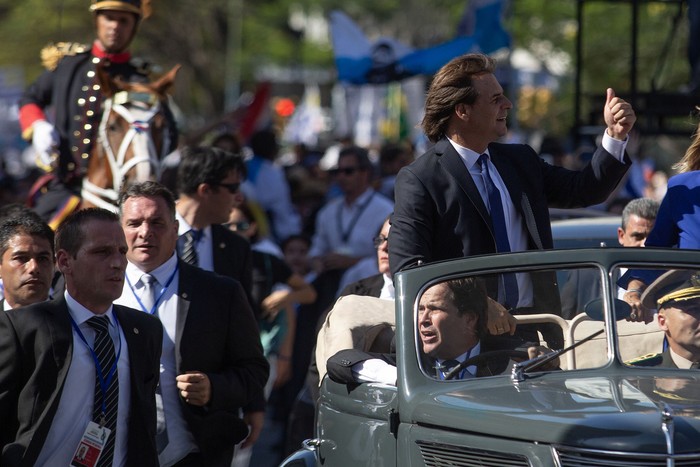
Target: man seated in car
<point>676,296</point>
<point>452,327</point>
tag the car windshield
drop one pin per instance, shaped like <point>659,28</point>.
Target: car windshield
<point>458,334</point>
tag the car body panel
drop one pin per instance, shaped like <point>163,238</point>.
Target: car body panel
<point>614,414</point>
<point>589,232</point>
<point>365,415</point>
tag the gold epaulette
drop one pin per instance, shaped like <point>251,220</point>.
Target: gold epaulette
<point>651,359</point>
<point>52,54</point>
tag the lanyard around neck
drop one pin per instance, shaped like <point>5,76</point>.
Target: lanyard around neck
<point>345,233</point>
<point>104,381</point>
<point>160,294</point>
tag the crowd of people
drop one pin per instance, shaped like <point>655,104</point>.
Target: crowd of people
<point>193,312</point>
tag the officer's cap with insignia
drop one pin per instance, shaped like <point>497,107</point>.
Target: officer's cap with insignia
<point>676,285</point>
<point>139,7</point>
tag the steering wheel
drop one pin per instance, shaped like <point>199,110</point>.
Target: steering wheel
<point>478,359</point>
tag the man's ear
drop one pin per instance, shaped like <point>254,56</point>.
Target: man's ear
<point>620,235</point>
<point>463,111</point>
<point>203,189</point>
<point>661,320</point>
<point>63,261</point>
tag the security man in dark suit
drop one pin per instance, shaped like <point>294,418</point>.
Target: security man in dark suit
<point>70,87</point>
<point>468,195</point>
<point>26,259</point>
<point>208,182</point>
<point>212,362</point>
<point>56,387</point>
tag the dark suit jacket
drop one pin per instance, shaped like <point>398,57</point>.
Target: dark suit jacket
<point>36,345</point>
<point>369,286</point>
<point>217,334</point>
<point>232,255</point>
<point>339,366</point>
<point>439,213</point>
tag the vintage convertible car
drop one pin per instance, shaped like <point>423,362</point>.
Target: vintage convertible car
<point>601,407</point>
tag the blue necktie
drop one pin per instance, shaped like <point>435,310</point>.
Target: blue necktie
<point>508,286</point>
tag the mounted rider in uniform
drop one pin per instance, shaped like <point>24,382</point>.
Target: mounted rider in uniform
<point>63,137</point>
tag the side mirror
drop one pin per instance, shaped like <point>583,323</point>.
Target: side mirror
<point>595,309</point>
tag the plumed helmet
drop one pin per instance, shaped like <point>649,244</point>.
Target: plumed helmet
<point>142,8</point>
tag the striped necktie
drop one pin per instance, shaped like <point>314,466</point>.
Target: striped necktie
<point>104,350</point>
<point>189,247</point>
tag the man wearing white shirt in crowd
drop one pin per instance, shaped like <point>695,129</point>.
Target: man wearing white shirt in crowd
<point>346,225</point>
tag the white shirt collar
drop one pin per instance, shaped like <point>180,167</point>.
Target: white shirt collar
<point>682,363</point>
<point>81,314</point>
<point>183,227</point>
<point>388,292</point>
<point>468,156</point>
<point>162,273</point>
<point>474,351</point>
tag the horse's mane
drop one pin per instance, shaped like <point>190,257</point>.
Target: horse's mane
<point>159,87</point>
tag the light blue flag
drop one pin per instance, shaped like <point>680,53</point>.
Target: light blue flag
<point>360,61</point>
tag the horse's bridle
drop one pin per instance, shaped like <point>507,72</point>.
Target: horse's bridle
<point>145,153</point>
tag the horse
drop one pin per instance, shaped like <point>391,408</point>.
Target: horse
<point>132,138</point>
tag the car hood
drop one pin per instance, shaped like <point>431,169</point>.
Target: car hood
<point>581,412</point>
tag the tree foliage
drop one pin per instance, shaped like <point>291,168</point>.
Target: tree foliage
<point>198,34</point>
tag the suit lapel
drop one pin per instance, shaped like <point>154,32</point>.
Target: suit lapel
<point>57,322</point>
<point>130,330</point>
<point>518,197</point>
<point>218,245</point>
<point>222,251</point>
<point>454,166</point>
<point>184,294</point>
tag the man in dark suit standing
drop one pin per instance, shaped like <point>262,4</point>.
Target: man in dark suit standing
<point>208,182</point>
<point>469,195</point>
<point>51,352</point>
<point>212,362</point>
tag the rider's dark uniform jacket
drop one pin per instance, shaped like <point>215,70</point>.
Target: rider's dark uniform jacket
<point>70,88</point>
<point>73,92</point>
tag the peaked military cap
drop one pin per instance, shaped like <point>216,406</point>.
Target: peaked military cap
<point>676,285</point>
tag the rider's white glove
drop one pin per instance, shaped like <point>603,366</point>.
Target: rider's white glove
<point>45,143</point>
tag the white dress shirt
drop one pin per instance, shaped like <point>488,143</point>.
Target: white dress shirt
<point>517,234</point>
<point>180,440</point>
<point>75,407</point>
<point>376,370</point>
<point>359,222</point>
